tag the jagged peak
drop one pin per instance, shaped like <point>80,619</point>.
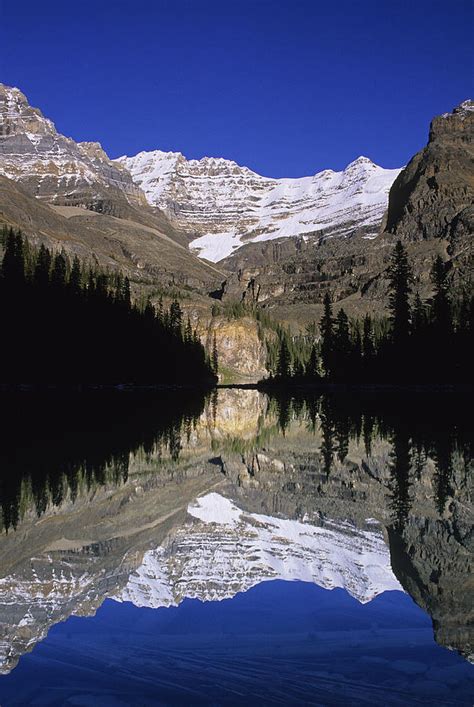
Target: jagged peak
<point>12,89</point>
<point>150,155</point>
<point>361,161</point>
<point>16,110</point>
<point>209,163</point>
<point>464,108</point>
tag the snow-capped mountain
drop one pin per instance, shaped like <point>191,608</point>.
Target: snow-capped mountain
<point>218,204</point>
<point>218,551</point>
<point>222,206</point>
<point>53,167</point>
<point>227,550</point>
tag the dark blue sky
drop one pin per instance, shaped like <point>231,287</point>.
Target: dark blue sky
<point>287,87</point>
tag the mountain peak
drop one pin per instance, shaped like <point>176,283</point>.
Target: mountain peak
<point>222,205</point>
<point>360,162</point>
<point>18,117</point>
<point>465,107</point>
<point>54,167</point>
<point>455,126</point>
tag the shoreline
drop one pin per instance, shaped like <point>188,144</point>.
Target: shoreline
<point>262,386</point>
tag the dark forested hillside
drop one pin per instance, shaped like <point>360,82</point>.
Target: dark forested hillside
<point>61,324</point>
<point>421,341</point>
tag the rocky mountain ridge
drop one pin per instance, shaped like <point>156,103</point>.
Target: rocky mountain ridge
<point>222,205</point>
<point>287,242</point>
<point>55,168</point>
<point>71,196</point>
<point>430,207</point>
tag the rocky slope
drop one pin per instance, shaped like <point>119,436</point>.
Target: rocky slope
<point>287,242</point>
<point>56,168</point>
<point>436,189</point>
<point>71,195</point>
<point>143,251</point>
<point>222,206</point>
<point>430,208</point>
<point>433,198</point>
<point>272,234</point>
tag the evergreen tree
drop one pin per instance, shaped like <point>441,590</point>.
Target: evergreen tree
<point>355,354</point>
<point>149,313</point>
<point>298,368</point>
<point>75,277</point>
<point>188,332</point>
<point>59,270</point>
<point>126,294</point>
<point>101,291</point>
<point>90,286</point>
<point>400,277</point>
<point>342,344</point>
<point>42,269</point>
<point>368,346</point>
<point>342,338</point>
<point>215,356</point>
<point>175,316</point>
<point>4,235</point>
<point>312,365</point>
<point>326,327</point>
<point>107,339</point>
<point>441,306</point>
<point>159,311</point>
<point>122,293</point>
<point>419,314</point>
<point>284,360</point>
<point>13,265</point>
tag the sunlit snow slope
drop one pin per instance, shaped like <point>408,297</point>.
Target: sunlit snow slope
<point>222,205</point>
<point>227,550</point>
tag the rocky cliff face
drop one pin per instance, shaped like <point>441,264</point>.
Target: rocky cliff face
<point>222,206</point>
<point>436,189</point>
<point>56,168</point>
<point>139,246</point>
<point>430,208</point>
<point>433,198</point>
<point>71,196</point>
<point>241,352</point>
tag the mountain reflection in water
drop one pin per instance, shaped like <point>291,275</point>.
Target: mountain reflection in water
<point>159,500</point>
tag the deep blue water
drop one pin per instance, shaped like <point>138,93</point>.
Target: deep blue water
<point>280,643</point>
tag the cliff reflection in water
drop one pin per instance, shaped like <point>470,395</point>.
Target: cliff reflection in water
<point>151,500</point>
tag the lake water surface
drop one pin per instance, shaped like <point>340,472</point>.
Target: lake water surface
<point>237,548</point>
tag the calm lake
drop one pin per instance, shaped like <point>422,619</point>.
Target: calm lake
<point>237,548</point>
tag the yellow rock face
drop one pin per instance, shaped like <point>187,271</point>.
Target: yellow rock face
<point>242,356</point>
